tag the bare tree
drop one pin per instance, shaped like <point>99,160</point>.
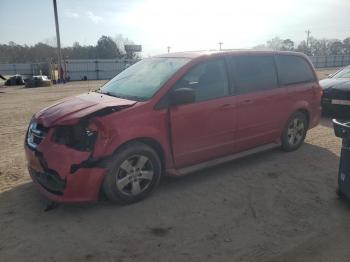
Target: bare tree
<point>336,47</point>
<point>346,45</point>
<point>275,43</point>
<point>287,45</point>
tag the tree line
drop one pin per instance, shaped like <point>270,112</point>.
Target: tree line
<point>106,47</point>
<point>311,47</point>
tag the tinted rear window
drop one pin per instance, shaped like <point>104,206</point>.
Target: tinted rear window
<point>293,70</point>
<point>254,73</point>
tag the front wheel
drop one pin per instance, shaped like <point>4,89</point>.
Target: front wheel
<point>134,175</point>
<point>294,134</point>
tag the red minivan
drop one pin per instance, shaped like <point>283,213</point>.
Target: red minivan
<point>171,114</point>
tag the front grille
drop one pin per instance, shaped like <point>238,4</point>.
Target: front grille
<point>326,100</point>
<point>36,134</point>
<point>338,94</point>
<point>50,181</point>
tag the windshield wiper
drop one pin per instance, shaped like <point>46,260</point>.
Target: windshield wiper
<point>128,97</point>
<point>104,93</point>
<point>134,98</point>
<point>108,94</point>
<point>99,90</point>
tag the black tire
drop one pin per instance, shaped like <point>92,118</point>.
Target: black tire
<point>340,194</point>
<point>294,134</point>
<point>125,170</point>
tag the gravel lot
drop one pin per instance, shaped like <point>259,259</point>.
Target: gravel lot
<point>273,206</point>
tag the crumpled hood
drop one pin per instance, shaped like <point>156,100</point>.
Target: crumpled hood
<point>336,83</point>
<point>72,109</point>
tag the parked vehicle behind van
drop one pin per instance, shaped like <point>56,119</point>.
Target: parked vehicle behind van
<point>336,91</point>
<point>171,114</point>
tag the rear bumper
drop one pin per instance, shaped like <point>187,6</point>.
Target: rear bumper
<point>62,186</point>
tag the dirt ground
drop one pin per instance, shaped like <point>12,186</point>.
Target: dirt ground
<point>273,206</point>
<point>324,72</point>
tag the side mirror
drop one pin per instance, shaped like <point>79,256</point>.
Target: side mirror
<point>182,96</point>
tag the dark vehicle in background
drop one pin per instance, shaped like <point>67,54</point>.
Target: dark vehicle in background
<point>336,92</point>
<point>171,114</point>
<point>15,80</point>
<point>33,81</point>
<point>38,81</point>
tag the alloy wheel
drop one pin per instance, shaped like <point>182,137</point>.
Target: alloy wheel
<point>134,175</point>
<point>296,130</point>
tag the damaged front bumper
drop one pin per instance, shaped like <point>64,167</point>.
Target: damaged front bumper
<point>60,172</point>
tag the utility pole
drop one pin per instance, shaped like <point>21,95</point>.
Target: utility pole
<point>220,44</point>
<point>308,32</point>
<point>168,49</point>
<point>59,54</point>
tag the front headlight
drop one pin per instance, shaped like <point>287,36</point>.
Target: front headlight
<point>80,136</point>
<point>327,91</point>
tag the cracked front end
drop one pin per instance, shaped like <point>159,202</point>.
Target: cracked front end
<point>54,157</point>
<point>65,144</point>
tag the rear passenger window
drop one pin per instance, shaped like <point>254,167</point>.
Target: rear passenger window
<point>255,73</point>
<point>293,70</point>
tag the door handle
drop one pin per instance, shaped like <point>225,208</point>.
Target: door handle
<point>226,107</point>
<point>248,101</point>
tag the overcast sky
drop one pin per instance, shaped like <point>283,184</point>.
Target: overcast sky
<point>181,24</point>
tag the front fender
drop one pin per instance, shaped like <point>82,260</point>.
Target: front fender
<point>129,126</point>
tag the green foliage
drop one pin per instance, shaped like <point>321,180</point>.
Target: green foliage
<point>106,47</point>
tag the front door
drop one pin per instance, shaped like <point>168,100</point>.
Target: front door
<point>204,129</point>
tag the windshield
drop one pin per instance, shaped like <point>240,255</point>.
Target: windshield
<point>142,80</point>
<point>345,73</point>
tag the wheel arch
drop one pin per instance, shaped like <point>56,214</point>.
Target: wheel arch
<point>107,186</point>
<point>306,113</point>
<point>302,110</point>
<point>151,142</point>
<point>285,144</point>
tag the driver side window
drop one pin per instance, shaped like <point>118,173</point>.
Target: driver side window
<point>208,79</point>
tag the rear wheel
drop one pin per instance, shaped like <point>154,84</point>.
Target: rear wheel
<point>135,173</point>
<point>340,194</point>
<point>294,134</point>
